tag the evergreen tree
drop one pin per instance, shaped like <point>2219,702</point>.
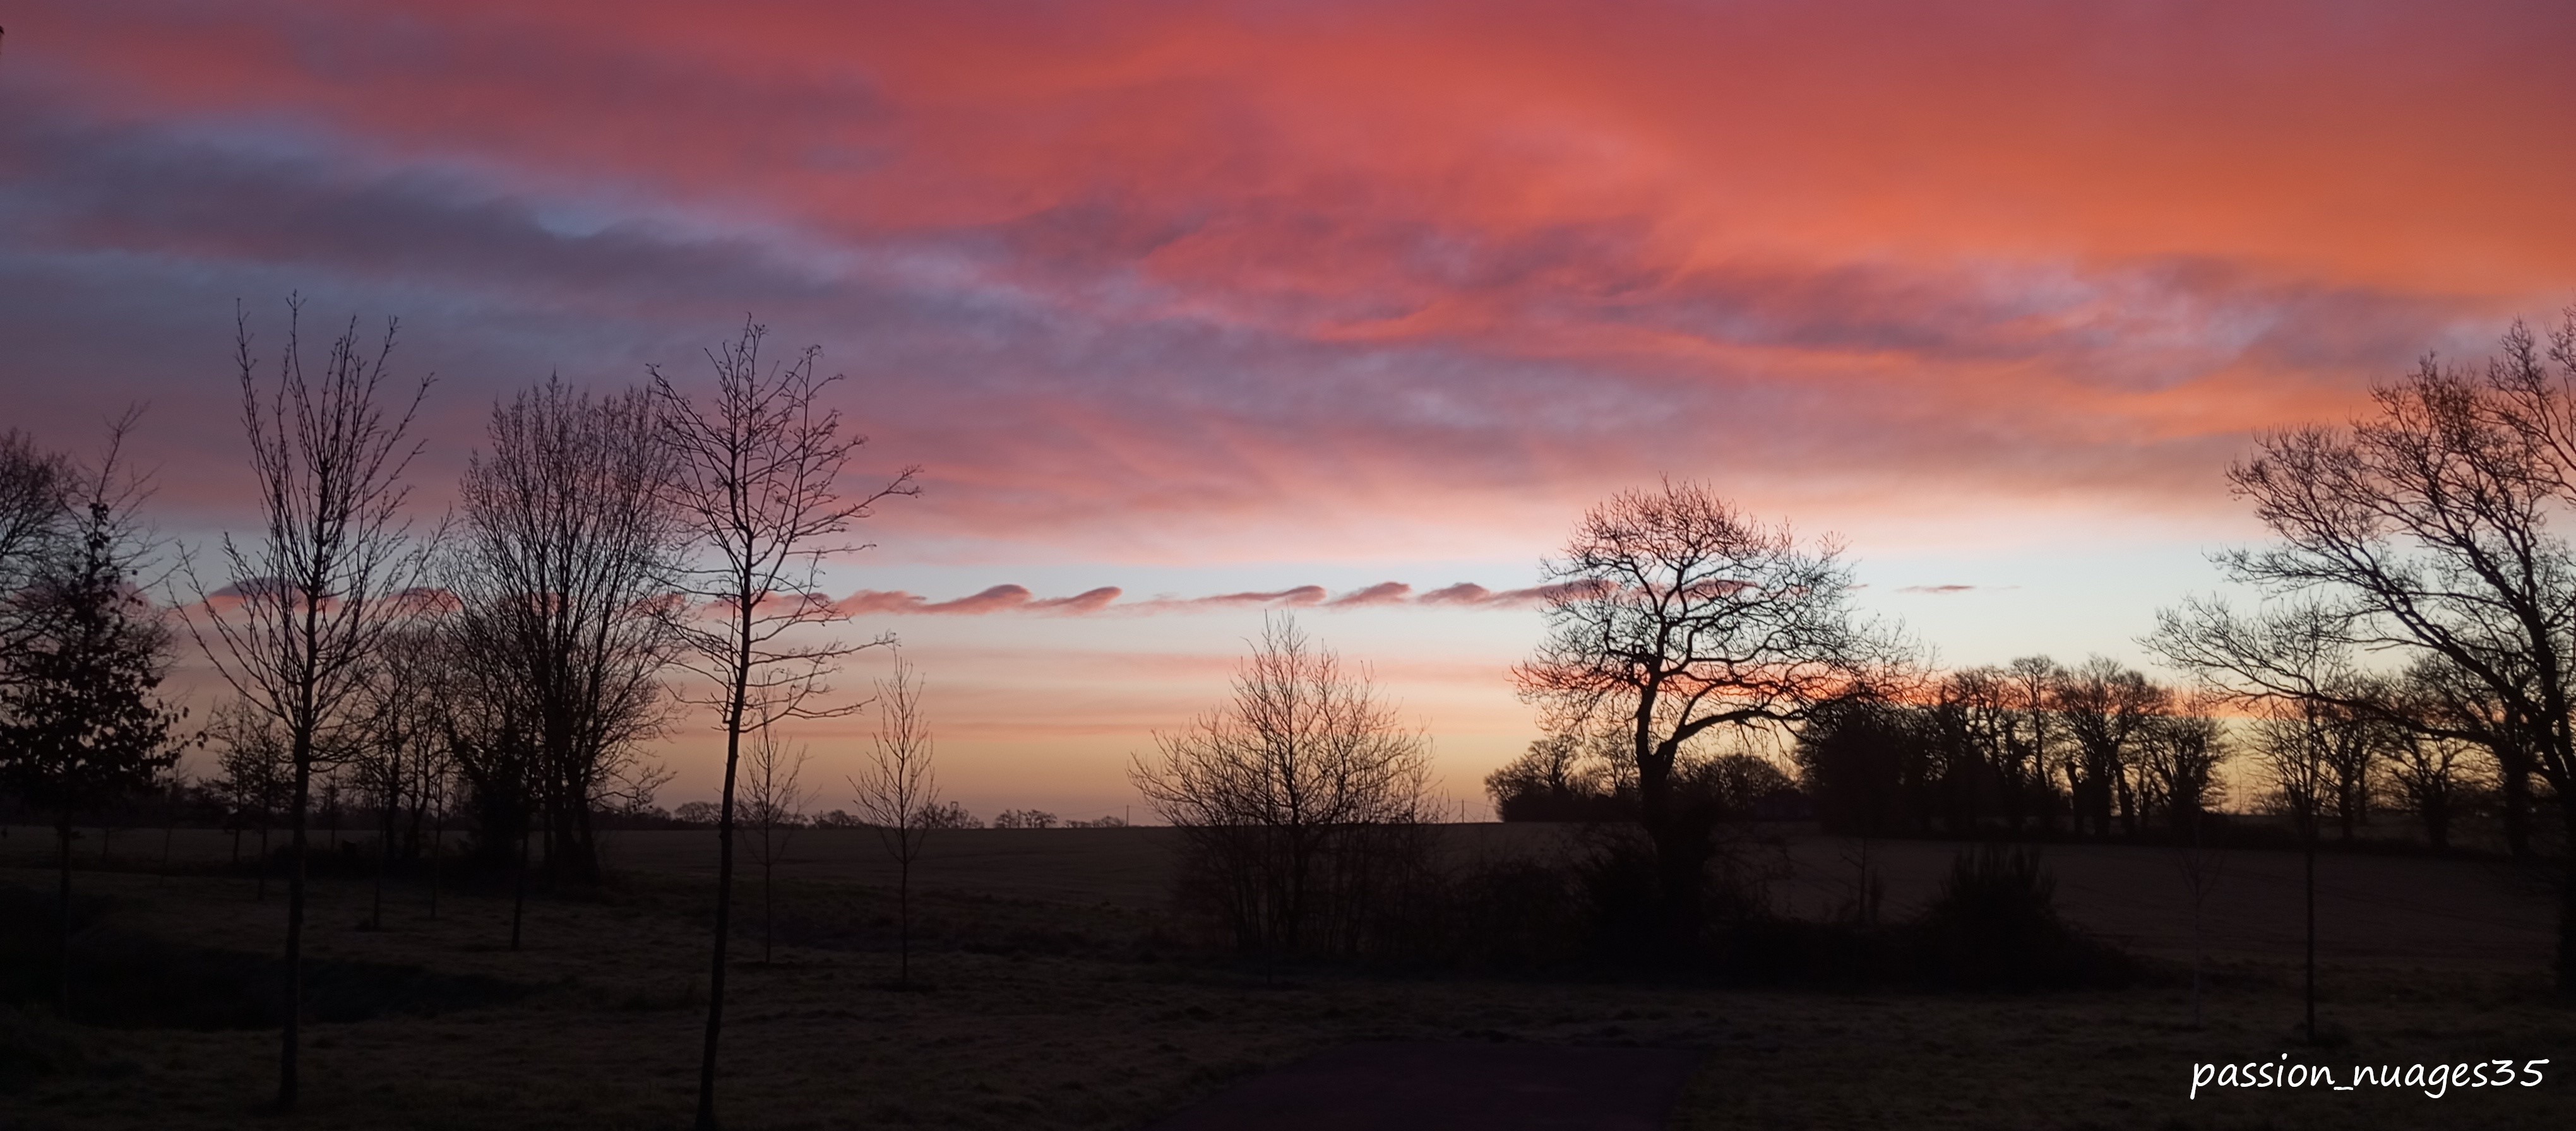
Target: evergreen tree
<point>81,724</point>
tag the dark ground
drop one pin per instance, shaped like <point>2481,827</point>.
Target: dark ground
<point>1057,996</point>
<point>1395,1086</point>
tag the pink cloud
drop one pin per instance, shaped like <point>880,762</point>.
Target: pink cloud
<point>997,599</point>
<point>1336,284</point>
<point>1300,595</point>
<point>1087,601</point>
<point>1382,593</point>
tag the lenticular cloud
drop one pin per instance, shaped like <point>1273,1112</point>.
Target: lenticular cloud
<point>1108,599</point>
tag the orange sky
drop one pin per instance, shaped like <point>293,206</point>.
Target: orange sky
<point>1189,299</point>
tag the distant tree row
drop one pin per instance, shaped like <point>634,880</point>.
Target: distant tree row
<point>2097,749</point>
<point>944,815</point>
<point>2103,750</point>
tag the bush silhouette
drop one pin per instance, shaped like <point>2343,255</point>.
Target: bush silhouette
<point>1995,926</point>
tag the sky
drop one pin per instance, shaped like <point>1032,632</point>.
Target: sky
<point>1345,303</point>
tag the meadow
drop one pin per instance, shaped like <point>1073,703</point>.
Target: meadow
<point>1056,986</point>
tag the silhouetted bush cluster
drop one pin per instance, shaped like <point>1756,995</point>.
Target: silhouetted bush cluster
<point>1995,925</point>
<point>1557,780</point>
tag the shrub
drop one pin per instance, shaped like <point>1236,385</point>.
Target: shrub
<point>1995,926</point>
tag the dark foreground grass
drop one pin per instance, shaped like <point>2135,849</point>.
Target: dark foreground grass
<point>1034,1013</point>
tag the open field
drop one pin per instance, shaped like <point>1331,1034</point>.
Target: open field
<point>2453,913</point>
<point>1058,999</point>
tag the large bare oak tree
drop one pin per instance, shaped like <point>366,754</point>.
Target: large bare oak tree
<point>1674,614</point>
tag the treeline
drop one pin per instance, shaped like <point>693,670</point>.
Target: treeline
<point>2035,747</point>
<point>2103,750</point>
<point>944,815</point>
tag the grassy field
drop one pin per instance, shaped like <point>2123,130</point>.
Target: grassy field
<point>1056,996</point>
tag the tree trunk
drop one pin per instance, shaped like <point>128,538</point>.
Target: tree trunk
<point>2311,990</point>
<point>294,995</point>
<point>437,848</point>
<point>2517,806</point>
<point>384,864</point>
<point>63,918</point>
<point>519,891</point>
<point>583,845</point>
<point>706,1120</point>
<point>903,921</point>
<point>2567,899</point>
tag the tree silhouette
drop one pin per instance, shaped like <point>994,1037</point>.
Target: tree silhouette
<point>81,723</point>
<point>774,800</point>
<point>333,572</point>
<point>1300,798</point>
<point>1673,614</point>
<point>898,793</point>
<point>2425,530</point>
<point>567,539</point>
<point>755,480</point>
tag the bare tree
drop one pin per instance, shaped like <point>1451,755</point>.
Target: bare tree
<point>252,774</point>
<point>400,748</point>
<point>2293,664</point>
<point>2033,743</point>
<point>2425,530</point>
<point>2201,868</point>
<point>896,792</point>
<point>2429,773</point>
<point>2430,760</point>
<point>774,803</point>
<point>81,721</point>
<point>2178,759</point>
<point>1673,614</point>
<point>332,574</point>
<point>1300,798</point>
<point>569,537</point>
<point>755,480</point>
<point>2443,705</point>
<point>484,726</point>
<point>2106,708</point>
